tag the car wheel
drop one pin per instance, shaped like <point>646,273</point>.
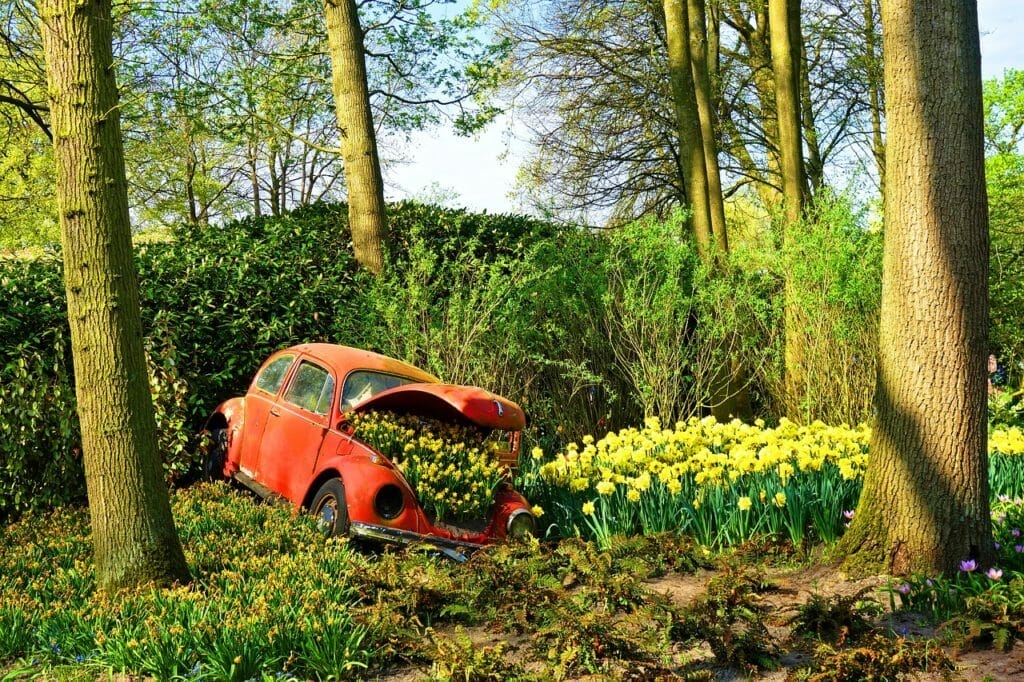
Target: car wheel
<point>213,467</point>
<point>330,509</point>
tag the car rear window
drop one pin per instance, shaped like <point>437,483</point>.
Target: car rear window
<point>363,384</point>
<point>311,389</point>
<point>272,375</point>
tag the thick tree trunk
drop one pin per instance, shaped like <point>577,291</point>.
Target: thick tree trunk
<point>925,505</point>
<point>691,146</point>
<point>366,210</point>
<point>132,530</point>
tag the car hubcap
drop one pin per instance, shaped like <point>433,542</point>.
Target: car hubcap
<point>328,515</point>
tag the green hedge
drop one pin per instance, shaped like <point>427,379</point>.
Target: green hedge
<point>589,330</point>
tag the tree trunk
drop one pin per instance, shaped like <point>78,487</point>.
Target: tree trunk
<point>925,505</point>
<point>814,168</point>
<point>697,18</point>
<point>754,33</point>
<point>688,132</point>
<point>366,210</point>
<point>873,62</point>
<point>133,533</point>
<point>784,27</point>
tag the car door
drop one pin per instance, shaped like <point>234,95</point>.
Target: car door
<point>259,401</point>
<point>296,426</point>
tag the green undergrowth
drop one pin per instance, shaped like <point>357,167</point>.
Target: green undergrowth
<point>272,599</point>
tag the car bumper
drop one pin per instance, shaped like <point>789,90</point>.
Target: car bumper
<point>455,549</point>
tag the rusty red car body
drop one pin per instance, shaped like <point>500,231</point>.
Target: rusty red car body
<point>289,437</point>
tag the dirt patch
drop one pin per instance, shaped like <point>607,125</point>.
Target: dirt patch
<point>786,590</point>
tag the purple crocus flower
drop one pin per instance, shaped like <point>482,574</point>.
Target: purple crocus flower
<point>903,588</point>
<point>994,573</point>
<point>968,565</point>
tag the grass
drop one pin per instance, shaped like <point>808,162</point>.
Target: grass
<point>272,599</point>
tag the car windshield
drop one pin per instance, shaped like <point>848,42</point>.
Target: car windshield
<point>363,384</point>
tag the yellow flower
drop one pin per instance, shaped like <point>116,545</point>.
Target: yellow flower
<point>588,508</point>
<point>780,499</point>
<point>633,495</point>
<point>605,488</point>
<point>744,503</point>
<point>537,453</point>
<point>537,510</point>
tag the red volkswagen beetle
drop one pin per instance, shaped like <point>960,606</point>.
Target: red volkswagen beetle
<point>290,437</point>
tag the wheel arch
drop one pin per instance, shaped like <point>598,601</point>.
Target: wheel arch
<point>317,483</point>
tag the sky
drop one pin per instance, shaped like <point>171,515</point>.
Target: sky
<point>479,173</point>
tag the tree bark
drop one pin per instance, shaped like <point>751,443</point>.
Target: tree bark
<point>873,61</point>
<point>784,28</point>
<point>688,131</point>
<point>697,17</point>
<point>366,210</point>
<point>925,505</point>
<point>133,533</point>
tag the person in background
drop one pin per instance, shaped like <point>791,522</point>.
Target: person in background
<point>996,375</point>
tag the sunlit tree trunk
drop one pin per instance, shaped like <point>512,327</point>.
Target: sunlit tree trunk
<point>133,532</point>
<point>813,168</point>
<point>784,26</point>
<point>697,18</point>
<point>688,131</point>
<point>925,504</point>
<point>366,210</point>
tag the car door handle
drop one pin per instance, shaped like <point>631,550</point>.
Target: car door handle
<point>275,413</point>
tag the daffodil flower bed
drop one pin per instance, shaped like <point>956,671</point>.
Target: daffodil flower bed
<point>722,482</point>
<point>453,469</point>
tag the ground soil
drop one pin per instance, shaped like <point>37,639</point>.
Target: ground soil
<point>791,587</point>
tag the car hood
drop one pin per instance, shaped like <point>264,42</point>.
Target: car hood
<point>450,403</point>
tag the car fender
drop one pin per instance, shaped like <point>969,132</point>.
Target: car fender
<point>229,415</point>
<point>364,473</point>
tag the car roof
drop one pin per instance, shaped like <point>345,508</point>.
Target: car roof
<point>344,359</point>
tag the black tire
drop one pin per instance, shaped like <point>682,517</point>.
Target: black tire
<point>213,467</point>
<point>330,508</point>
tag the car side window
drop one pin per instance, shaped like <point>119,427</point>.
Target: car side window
<point>311,389</point>
<point>364,384</point>
<point>273,374</point>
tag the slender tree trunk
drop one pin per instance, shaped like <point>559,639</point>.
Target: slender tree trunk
<point>254,182</point>
<point>873,62</point>
<point>729,397</point>
<point>190,186</point>
<point>814,169</point>
<point>366,210</point>
<point>697,18</point>
<point>784,26</point>
<point>691,146</point>
<point>754,33</point>
<point>274,192</point>
<point>925,504</point>
<point>133,532</point>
